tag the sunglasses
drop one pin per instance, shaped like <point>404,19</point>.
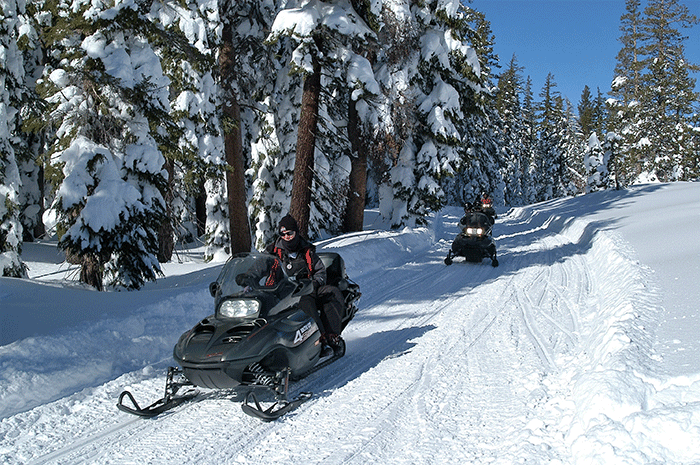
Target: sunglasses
<point>287,233</point>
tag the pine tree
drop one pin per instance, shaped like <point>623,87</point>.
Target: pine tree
<point>484,162</point>
<point>391,176</point>
<point>316,61</point>
<point>514,135</point>
<point>586,110</point>
<point>28,143</point>
<point>626,89</point>
<point>612,147</point>
<point>193,152</point>
<point>432,117</point>
<point>238,72</point>
<point>600,113</point>
<point>596,165</point>
<point>549,148</point>
<point>362,117</point>
<point>531,185</point>
<point>668,96</point>
<point>570,176</point>
<point>627,83</point>
<point>109,101</point>
<point>11,92</point>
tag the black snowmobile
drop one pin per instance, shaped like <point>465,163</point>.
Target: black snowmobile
<point>475,242</point>
<point>257,339</point>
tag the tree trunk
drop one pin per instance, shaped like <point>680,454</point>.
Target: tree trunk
<point>39,229</point>
<point>200,210</point>
<point>233,145</point>
<point>300,207</point>
<point>166,239</point>
<point>91,271</point>
<point>353,219</point>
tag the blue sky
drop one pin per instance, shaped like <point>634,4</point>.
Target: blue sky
<point>575,40</point>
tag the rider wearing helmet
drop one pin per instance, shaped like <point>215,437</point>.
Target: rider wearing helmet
<point>299,258</point>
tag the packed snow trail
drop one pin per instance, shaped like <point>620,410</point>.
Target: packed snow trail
<point>467,358</point>
<point>532,361</point>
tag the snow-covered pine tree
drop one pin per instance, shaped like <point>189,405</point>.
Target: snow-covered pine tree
<point>109,100</point>
<point>691,157</point>
<point>362,115</point>
<point>613,154</point>
<point>513,135</point>
<point>624,109</point>
<point>586,110</point>
<point>29,144</point>
<point>268,203</point>
<point>629,66</point>
<point>397,39</point>
<point>549,148</point>
<point>434,78</point>
<point>530,185</point>
<point>247,77</point>
<point>600,113</point>
<point>596,163</point>
<point>245,70</point>
<point>11,83</point>
<point>571,172</point>
<point>668,94</point>
<point>484,163</point>
<point>272,160</point>
<point>318,42</point>
<point>194,153</point>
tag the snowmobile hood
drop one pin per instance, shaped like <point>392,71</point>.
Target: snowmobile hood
<point>212,339</point>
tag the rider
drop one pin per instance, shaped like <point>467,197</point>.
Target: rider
<point>484,204</point>
<point>299,258</point>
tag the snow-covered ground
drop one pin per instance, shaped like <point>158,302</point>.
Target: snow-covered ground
<point>581,347</point>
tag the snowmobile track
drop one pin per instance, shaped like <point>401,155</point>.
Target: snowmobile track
<point>85,446</point>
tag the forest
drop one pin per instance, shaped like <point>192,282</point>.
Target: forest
<point>128,127</point>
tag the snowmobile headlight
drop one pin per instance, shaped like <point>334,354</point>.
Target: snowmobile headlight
<point>475,231</point>
<point>240,308</point>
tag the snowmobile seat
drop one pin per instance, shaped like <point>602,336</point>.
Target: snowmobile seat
<point>335,267</point>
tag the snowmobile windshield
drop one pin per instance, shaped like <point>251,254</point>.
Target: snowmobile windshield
<point>476,221</point>
<point>250,271</point>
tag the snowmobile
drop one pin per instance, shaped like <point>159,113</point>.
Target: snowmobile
<point>475,242</point>
<point>257,339</point>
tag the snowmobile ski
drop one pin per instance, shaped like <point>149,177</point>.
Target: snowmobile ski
<point>283,406</point>
<point>170,399</point>
<point>276,410</point>
<point>156,408</point>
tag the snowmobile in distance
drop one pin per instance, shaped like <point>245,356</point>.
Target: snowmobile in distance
<point>475,241</point>
<point>257,339</point>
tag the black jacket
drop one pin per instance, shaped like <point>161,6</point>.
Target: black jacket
<point>301,260</point>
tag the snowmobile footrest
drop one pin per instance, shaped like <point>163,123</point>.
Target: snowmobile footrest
<point>276,410</point>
